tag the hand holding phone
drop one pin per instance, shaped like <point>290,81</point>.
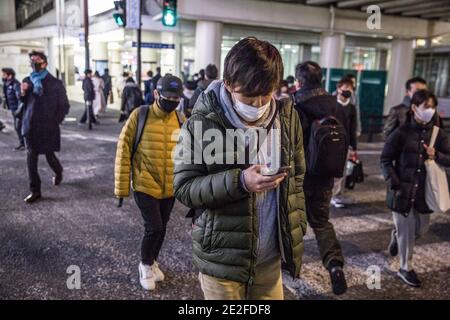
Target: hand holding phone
<point>268,172</point>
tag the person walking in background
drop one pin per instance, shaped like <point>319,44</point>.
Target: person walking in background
<point>99,103</point>
<point>120,83</point>
<point>131,99</point>
<point>188,91</point>
<point>398,114</point>
<point>313,103</point>
<point>107,91</point>
<point>149,160</point>
<point>89,97</point>
<point>157,77</point>
<point>11,92</point>
<point>210,74</point>
<point>149,88</point>
<point>344,94</point>
<point>45,106</point>
<point>241,232</point>
<point>403,165</point>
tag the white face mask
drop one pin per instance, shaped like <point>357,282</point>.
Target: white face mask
<point>250,113</point>
<point>423,114</point>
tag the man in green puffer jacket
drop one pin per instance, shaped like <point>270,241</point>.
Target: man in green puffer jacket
<point>246,224</point>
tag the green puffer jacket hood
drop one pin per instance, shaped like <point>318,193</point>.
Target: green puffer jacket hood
<point>225,232</point>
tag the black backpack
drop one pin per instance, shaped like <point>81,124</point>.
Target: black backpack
<point>327,148</point>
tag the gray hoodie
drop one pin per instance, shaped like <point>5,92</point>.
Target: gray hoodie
<point>266,202</point>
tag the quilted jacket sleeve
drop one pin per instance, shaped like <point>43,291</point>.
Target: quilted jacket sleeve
<point>122,166</point>
<point>194,186</point>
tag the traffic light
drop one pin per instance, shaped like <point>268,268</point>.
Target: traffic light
<point>169,13</point>
<point>120,15</point>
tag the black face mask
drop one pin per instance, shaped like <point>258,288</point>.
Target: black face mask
<point>4,80</point>
<point>346,94</point>
<point>37,67</point>
<point>168,105</point>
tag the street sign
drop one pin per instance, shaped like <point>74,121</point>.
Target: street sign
<point>155,45</point>
<point>133,14</point>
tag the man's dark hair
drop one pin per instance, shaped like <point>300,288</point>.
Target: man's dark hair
<point>9,72</point>
<point>290,79</point>
<point>190,85</point>
<point>309,73</point>
<point>423,95</point>
<point>158,69</point>
<point>414,80</point>
<point>106,70</point>
<point>39,54</point>
<point>125,75</point>
<point>211,71</point>
<point>350,76</point>
<point>150,73</point>
<point>87,71</point>
<point>130,79</point>
<point>253,65</point>
<point>344,81</point>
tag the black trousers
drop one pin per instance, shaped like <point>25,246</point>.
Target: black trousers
<point>84,117</point>
<point>33,173</point>
<point>18,128</point>
<point>317,200</point>
<point>156,215</point>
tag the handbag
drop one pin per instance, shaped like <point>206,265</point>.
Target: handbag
<point>436,186</point>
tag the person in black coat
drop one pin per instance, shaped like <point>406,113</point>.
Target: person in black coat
<point>11,91</point>
<point>344,92</point>
<point>45,106</point>
<point>402,162</point>
<point>314,103</point>
<point>131,99</point>
<point>89,96</point>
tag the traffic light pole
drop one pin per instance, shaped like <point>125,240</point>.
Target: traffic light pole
<point>86,34</point>
<point>139,45</point>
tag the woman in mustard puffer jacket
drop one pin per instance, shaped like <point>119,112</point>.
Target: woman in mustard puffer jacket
<point>150,171</point>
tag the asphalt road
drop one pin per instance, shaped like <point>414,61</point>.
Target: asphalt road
<point>79,224</point>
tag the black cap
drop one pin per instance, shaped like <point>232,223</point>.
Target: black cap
<point>39,54</point>
<point>170,86</point>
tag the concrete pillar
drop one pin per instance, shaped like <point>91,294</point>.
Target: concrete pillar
<point>400,70</point>
<point>115,65</point>
<point>53,55</point>
<point>208,40</point>
<point>332,50</point>
<point>168,57</point>
<point>304,52</point>
<point>99,51</point>
<point>7,15</point>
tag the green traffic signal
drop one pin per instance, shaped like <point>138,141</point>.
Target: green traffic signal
<point>119,18</point>
<point>169,18</point>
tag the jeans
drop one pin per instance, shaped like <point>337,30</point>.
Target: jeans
<point>33,173</point>
<point>267,285</point>
<point>156,215</point>
<point>317,201</point>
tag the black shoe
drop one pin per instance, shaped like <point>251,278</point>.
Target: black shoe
<point>57,179</point>
<point>410,278</point>
<point>393,245</point>
<point>338,282</point>
<point>32,197</point>
<point>19,148</point>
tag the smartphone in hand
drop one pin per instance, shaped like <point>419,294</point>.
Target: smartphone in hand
<point>269,172</point>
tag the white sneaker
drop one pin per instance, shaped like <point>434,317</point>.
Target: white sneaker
<point>159,276</point>
<point>337,204</point>
<point>146,277</point>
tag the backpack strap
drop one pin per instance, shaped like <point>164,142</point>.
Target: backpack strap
<point>142,119</point>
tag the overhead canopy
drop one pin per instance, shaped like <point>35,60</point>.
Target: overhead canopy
<point>426,9</point>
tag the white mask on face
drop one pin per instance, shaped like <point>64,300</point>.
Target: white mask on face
<point>250,113</point>
<point>423,114</point>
